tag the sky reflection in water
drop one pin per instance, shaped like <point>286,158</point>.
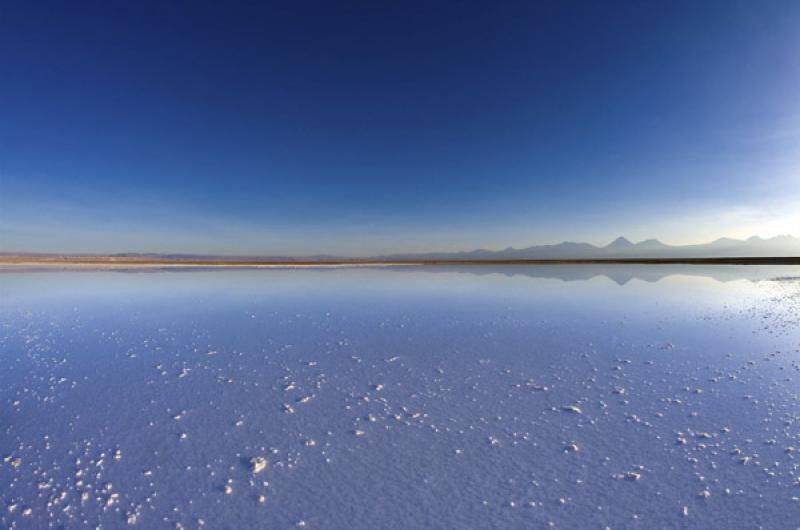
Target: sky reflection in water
<point>472,397</point>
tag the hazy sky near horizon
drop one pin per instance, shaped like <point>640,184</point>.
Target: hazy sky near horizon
<point>370,127</point>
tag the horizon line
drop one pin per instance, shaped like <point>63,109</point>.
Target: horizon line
<point>622,239</point>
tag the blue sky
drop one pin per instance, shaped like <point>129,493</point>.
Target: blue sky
<point>364,128</point>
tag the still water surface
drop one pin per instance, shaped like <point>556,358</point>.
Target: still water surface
<point>404,397</point>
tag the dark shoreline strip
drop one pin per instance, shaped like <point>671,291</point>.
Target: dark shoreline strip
<point>106,261</point>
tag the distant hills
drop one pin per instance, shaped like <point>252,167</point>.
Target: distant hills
<point>622,248</point>
<point>619,249</point>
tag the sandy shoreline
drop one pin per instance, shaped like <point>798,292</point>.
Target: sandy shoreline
<point>157,265</point>
<point>100,263</point>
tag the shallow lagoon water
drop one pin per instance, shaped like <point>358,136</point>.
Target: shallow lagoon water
<point>401,397</point>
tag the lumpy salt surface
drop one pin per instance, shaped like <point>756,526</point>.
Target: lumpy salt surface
<point>401,397</point>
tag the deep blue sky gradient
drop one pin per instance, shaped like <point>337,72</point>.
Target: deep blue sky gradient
<point>359,128</point>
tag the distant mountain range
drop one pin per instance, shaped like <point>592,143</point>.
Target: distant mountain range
<point>621,248</point>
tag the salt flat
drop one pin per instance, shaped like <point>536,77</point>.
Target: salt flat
<point>478,397</point>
